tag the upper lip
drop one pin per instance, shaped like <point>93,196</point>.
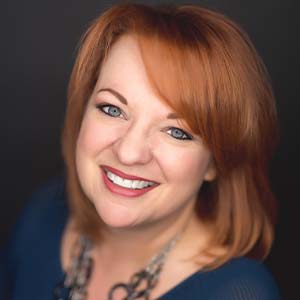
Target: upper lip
<point>124,175</point>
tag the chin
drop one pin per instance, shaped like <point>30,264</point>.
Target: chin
<point>117,216</point>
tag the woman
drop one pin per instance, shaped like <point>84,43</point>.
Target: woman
<point>170,125</point>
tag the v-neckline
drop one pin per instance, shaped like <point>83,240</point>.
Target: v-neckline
<point>173,289</point>
<point>181,284</point>
<point>61,272</point>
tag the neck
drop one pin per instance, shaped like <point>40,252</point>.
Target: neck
<point>136,246</point>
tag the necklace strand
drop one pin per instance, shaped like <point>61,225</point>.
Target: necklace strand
<point>74,284</point>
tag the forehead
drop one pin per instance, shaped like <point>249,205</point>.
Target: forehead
<point>123,70</point>
<point>124,63</point>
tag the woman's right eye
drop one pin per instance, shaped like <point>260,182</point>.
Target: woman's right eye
<point>110,110</point>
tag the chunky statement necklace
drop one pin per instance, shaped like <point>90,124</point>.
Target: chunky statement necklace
<point>140,285</point>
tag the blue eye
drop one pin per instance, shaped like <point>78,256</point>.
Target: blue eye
<point>179,134</point>
<point>110,110</point>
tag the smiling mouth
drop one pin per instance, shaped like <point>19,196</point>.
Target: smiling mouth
<point>128,183</point>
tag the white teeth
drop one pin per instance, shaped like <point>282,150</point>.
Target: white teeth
<point>127,183</point>
<point>134,184</point>
<point>118,180</point>
<point>110,175</point>
<point>130,184</point>
<point>141,184</point>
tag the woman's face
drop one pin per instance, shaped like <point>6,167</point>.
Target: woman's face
<point>135,162</point>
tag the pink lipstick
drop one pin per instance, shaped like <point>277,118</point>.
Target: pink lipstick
<point>124,175</point>
<point>123,191</point>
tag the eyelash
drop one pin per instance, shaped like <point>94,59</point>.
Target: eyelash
<point>185,134</point>
<point>101,107</point>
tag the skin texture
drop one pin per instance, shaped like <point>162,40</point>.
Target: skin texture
<point>138,139</point>
<point>138,142</point>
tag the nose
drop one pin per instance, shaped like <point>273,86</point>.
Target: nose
<point>133,147</point>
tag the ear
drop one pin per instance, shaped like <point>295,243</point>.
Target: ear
<point>211,172</point>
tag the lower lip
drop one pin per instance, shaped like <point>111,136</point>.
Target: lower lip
<point>116,189</point>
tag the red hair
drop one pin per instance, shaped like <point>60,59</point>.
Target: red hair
<point>217,82</point>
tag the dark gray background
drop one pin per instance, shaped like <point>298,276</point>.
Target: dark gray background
<point>38,40</point>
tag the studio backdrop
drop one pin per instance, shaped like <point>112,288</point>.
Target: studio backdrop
<point>39,40</point>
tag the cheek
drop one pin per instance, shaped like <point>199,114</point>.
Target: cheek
<point>95,136</point>
<point>183,164</point>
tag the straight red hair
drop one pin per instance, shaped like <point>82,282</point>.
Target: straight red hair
<point>205,67</point>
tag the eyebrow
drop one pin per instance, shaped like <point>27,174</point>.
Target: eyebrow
<point>173,116</point>
<point>116,94</point>
<point>122,99</point>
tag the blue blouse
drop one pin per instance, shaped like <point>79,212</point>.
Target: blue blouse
<point>30,264</point>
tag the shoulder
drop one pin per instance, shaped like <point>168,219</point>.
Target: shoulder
<point>43,215</point>
<point>45,208</point>
<point>49,195</point>
<point>240,278</point>
<point>35,237</point>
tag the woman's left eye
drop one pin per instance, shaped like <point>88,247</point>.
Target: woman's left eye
<point>179,134</point>
<point>110,110</point>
